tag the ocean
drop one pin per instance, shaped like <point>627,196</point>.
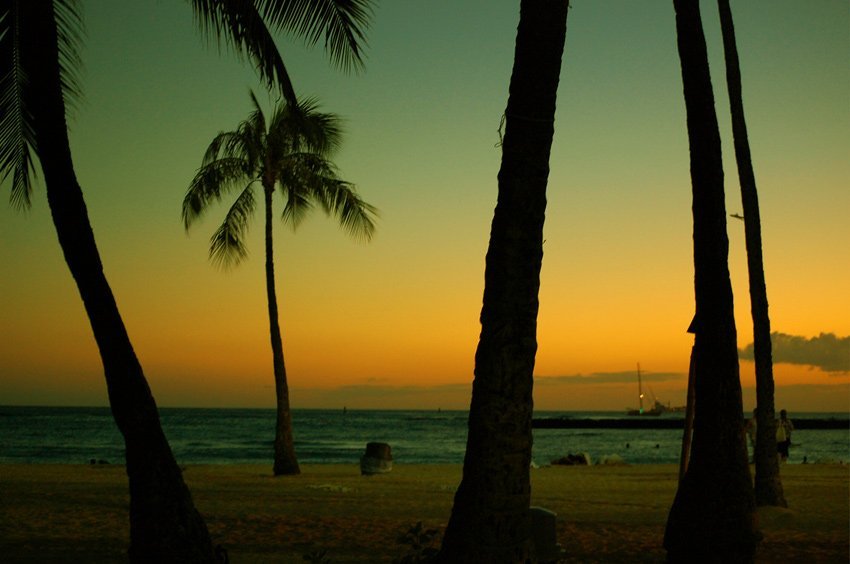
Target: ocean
<point>76,435</point>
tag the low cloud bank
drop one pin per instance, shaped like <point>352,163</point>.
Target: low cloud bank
<point>826,351</point>
<point>628,377</point>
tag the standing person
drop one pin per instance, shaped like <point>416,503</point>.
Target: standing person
<point>750,427</point>
<point>784,427</point>
<point>750,430</point>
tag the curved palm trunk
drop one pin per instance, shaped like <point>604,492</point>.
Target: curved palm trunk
<point>284,446</point>
<point>489,521</point>
<point>713,516</point>
<point>768,486</point>
<point>164,524</point>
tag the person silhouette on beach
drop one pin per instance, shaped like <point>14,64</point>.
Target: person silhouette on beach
<point>784,427</point>
<point>750,430</point>
<point>750,427</point>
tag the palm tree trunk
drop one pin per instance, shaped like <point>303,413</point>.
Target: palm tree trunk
<point>285,462</point>
<point>768,485</point>
<point>489,520</point>
<point>688,430</point>
<point>713,516</point>
<point>164,524</point>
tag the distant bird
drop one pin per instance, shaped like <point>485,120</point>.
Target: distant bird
<point>737,216</point>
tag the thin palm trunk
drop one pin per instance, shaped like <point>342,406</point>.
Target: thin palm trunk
<point>164,524</point>
<point>768,485</point>
<point>489,520</point>
<point>285,461</point>
<point>713,515</point>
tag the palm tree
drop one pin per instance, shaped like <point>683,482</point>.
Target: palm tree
<point>38,56</point>
<point>768,485</point>
<point>489,520</point>
<point>713,515</point>
<point>290,154</point>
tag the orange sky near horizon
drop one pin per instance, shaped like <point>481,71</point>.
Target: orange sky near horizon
<point>394,323</point>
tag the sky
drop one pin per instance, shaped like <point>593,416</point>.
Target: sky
<point>393,323</point>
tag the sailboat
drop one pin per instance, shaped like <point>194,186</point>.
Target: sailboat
<point>657,407</point>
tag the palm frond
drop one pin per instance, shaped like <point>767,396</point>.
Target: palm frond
<point>227,245</point>
<point>17,131</point>
<point>19,41</point>
<point>309,179</point>
<point>302,166</point>
<point>70,31</point>
<point>240,25</point>
<point>210,184</point>
<point>343,24</point>
<point>219,147</point>
<point>239,144</point>
<point>298,206</point>
<point>323,132</point>
<point>339,199</point>
<point>254,128</point>
<point>302,127</point>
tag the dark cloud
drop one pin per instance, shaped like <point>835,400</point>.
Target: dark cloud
<point>387,396</point>
<point>379,390</point>
<point>628,377</point>
<point>826,351</point>
<point>367,390</point>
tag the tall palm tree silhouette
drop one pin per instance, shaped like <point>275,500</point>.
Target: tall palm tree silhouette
<point>713,514</point>
<point>289,155</point>
<point>768,485</point>
<point>490,516</point>
<point>39,41</point>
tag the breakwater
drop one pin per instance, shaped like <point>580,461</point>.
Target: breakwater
<point>650,422</point>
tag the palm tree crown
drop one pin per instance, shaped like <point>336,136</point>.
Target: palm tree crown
<point>290,154</point>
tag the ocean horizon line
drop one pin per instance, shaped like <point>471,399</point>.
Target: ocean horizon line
<point>613,412</point>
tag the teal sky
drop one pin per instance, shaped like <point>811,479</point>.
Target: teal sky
<point>395,322</point>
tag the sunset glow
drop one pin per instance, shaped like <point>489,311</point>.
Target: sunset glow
<point>394,323</point>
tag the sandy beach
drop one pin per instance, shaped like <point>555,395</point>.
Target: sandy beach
<point>78,513</point>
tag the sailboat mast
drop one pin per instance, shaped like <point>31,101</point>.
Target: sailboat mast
<point>640,390</point>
